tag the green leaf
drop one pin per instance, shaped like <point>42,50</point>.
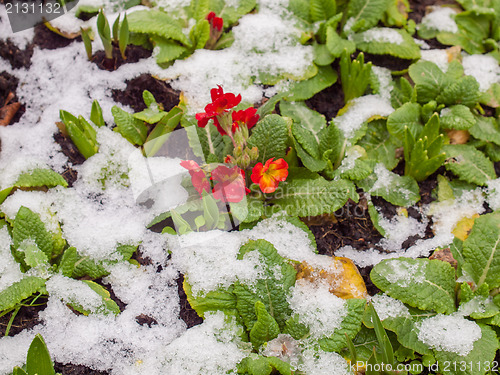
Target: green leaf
<point>314,164</point>
<point>486,129</point>
<point>87,42</point>
<point>38,360</point>
<point>168,50</point>
<point>402,93</point>
<point>272,288</point>
<point>68,260</point>
<point>364,14</point>
<point>429,80</point>
<point>306,89</point>
<point>134,130</point>
<point>295,328</point>
<point>33,255</point>
<point>200,33</point>
<point>481,251</point>
<point>231,14</point>
<point>83,136</point>
<point>421,283</point>
<point>307,140</point>
<point>270,136</point>
<point>304,197</point>
<point>332,144</point>
<point>96,114</point>
<point>160,133</point>
<point>157,23</point>
<point>265,328</point>
<point>491,97</point>
<point>481,356</point>
<point>399,190</point>
<point>108,306</point>
<point>303,116</point>
<point>370,42</point>
<point>336,45</point>
<point>19,371</point>
<point>464,91</point>
<point>408,115</point>
<point>380,145</point>
<point>40,177</point>
<point>216,300</point>
<point>105,34</point>
<point>469,164</point>
<point>457,117</point>
<point>322,9</point>
<point>206,141</point>
<point>258,365</point>
<point>124,36</point>
<point>351,324</point>
<point>28,226</point>
<point>20,290</point>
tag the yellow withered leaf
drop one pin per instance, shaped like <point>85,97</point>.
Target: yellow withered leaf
<point>463,227</point>
<point>342,276</point>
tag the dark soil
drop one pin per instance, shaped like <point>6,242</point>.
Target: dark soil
<point>133,54</point>
<point>132,95</point>
<point>17,57</point>
<point>329,101</point>
<point>27,317</point>
<point>71,369</point>
<point>46,39</point>
<point>69,149</point>
<point>187,314</point>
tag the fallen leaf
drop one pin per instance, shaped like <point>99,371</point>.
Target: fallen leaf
<point>445,255</point>
<point>463,227</point>
<point>458,137</point>
<point>343,277</point>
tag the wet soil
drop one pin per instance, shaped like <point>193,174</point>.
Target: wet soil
<point>132,55</point>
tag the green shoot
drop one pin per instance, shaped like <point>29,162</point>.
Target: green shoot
<point>423,154</point>
<point>105,34</point>
<point>87,42</point>
<point>116,28</point>
<point>81,133</point>
<point>96,114</point>
<point>354,75</point>
<point>124,36</point>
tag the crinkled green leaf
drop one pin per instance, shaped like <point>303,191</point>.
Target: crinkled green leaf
<point>295,328</point>
<point>271,288</point>
<point>40,177</point>
<point>314,164</point>
<point>481,251</point>
<point>351,324</point>
<point>429,80</point>
<point>407,49</point>
<point>68,260</point>
<point>256,364</point>
<point>168,50</point>
<point>322,10</point>
<point>464,91</point>
<point>406,116</point>
<point>156,22</point>
<point>18,291</point>
<point>304,197</point>
<point>402,93</point>
<point>364,14</point>
<point>380,145</point>
<point>336,45</point>
<point>487,129</point>
<point>230,14</point>
<point>421,283</point>
<point>491,97</point>
<point>469,164</point>
<point>134,130</point>
<point>306,89</point>
<point>307,139</point>
<point>398,190</point>
<point>217,300</point>
<point>332,143</point>
<point>33,255</point>
<point>265,328</point>
<point>303,116</point>
<point>457,117</point>
<point>28,226</point>
<point>200,33</point>
<point>270,136</point>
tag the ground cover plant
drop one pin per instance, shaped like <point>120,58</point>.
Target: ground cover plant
<point>251,187</point>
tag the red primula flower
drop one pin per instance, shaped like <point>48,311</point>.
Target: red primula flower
<point>231,184</point>
<point>269,175</point>
<point>215,22</point>
<point>221,103</point>
<point>248,116</point>
<point>198,177</point>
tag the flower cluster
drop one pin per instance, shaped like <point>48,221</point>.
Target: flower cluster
<point>229,183</point>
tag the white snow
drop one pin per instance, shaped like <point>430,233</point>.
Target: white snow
<point>450,333</point>
<point>323,363</point>
<point>440,19</point>
<point>382,35</point>
<point>360,110</point>
<point>21,38</point>
<point>321,311</point>
<point>437,56</point>
<point>10,271</point>
<point>388,307</point>
<point>485,69</point>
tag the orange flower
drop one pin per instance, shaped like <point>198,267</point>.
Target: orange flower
<point>269,175</point>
